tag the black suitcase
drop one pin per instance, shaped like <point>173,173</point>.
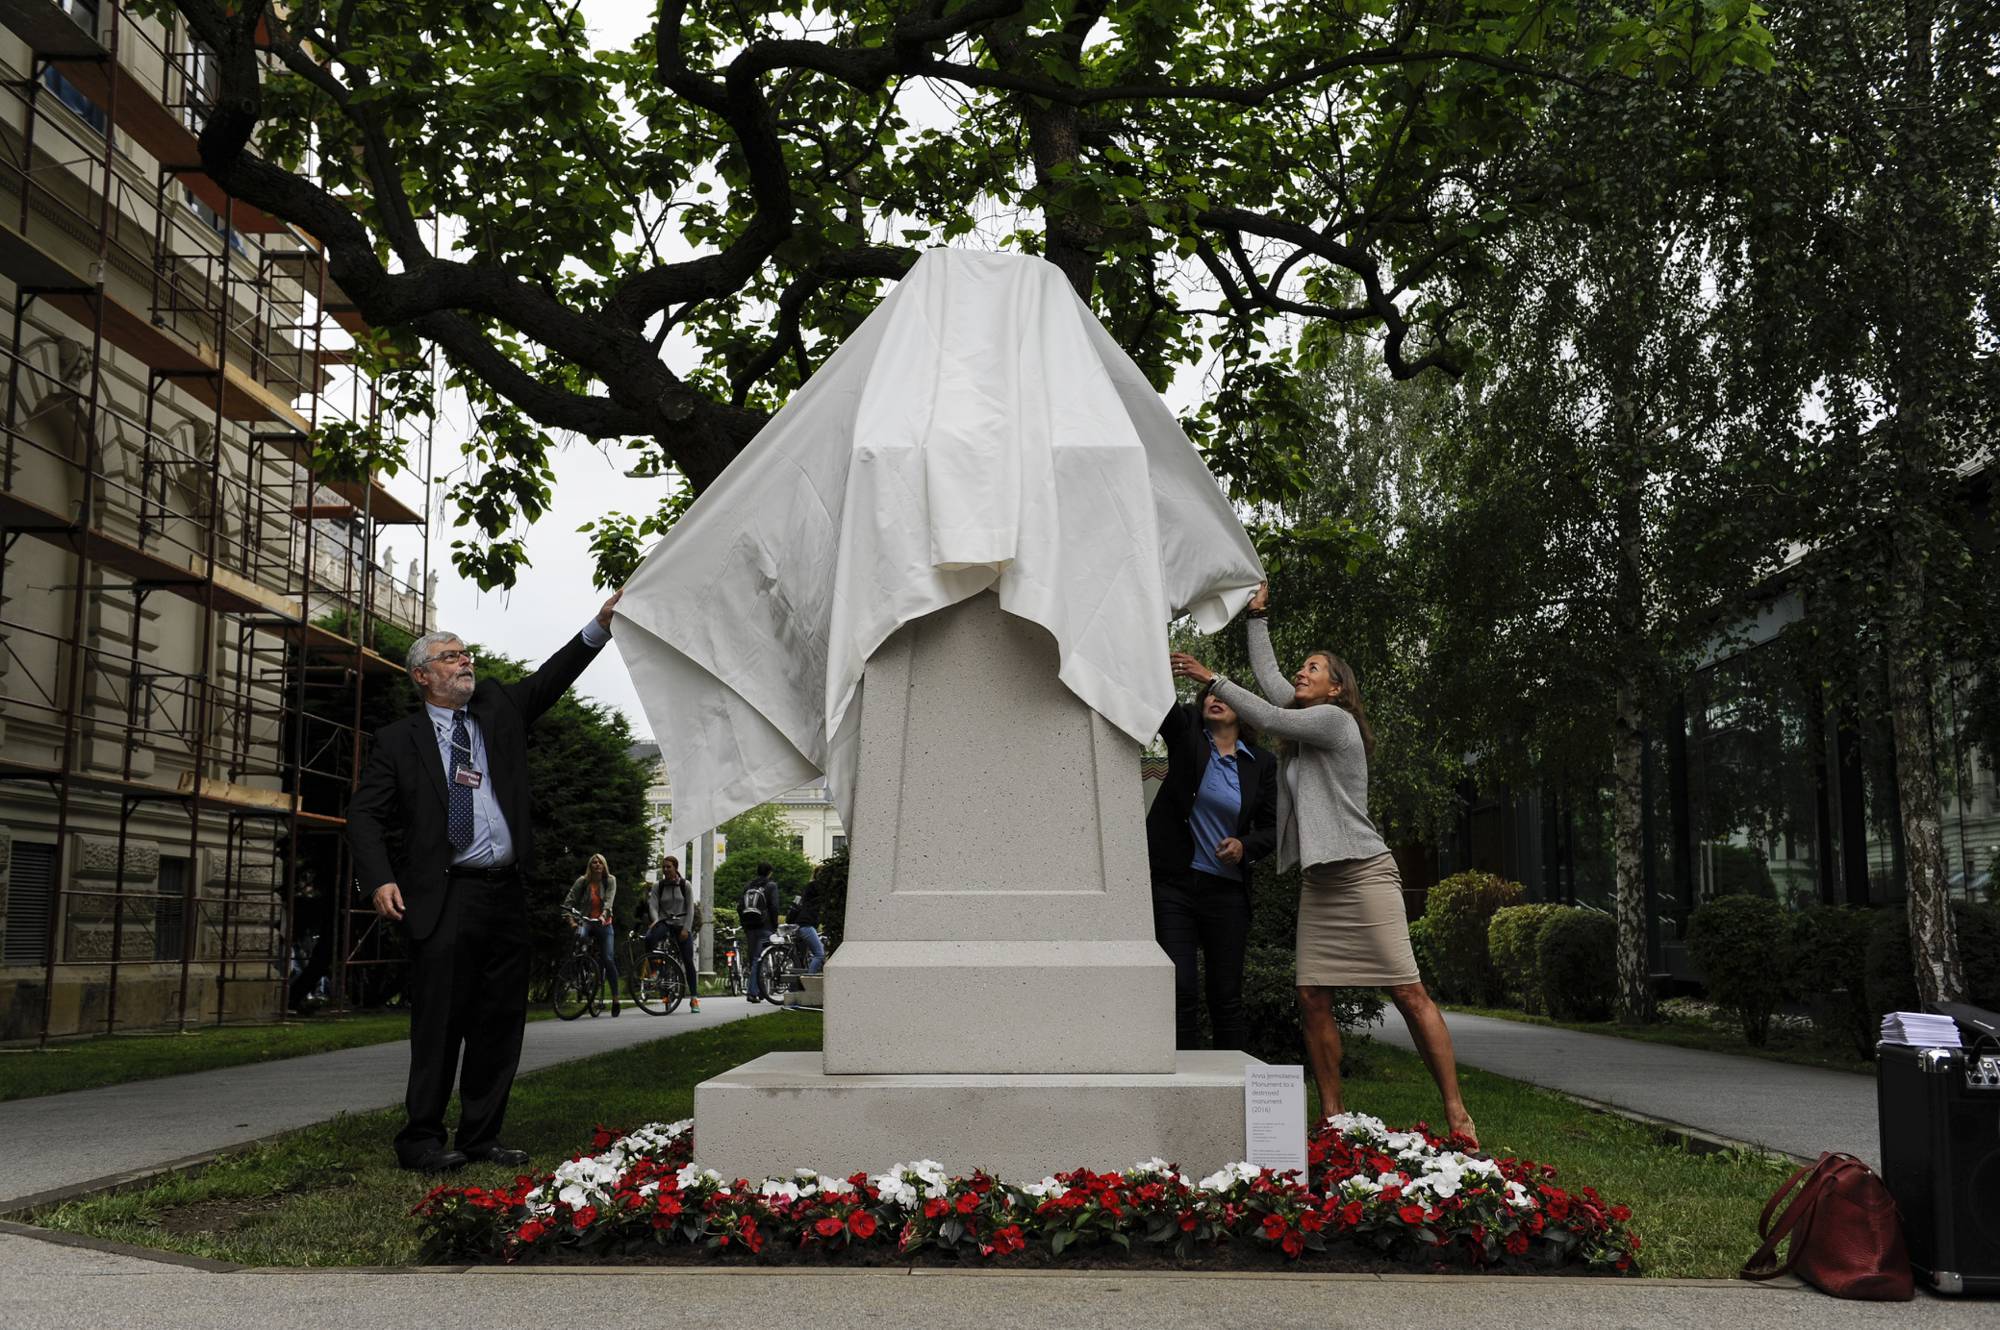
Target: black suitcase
<point>1939,1110</point>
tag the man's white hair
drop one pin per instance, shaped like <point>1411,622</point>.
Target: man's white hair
<point>421,649</point>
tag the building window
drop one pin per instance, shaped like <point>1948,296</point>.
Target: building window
<point>798,845</point>
<point>170,910</point>
<point>839,844</point>
<point>30,904</point>
<point>85,14</point>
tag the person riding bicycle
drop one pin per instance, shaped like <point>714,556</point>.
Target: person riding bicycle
<point>804,915</point>
<point>758,912</point>
<point>590,897</point>
<point>670,904</point>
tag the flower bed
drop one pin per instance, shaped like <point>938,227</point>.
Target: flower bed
<point>1401,1196</point>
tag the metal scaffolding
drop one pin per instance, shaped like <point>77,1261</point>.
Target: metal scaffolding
<point>167,365</point>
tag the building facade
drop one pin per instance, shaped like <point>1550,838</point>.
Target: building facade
<point>185,605</point>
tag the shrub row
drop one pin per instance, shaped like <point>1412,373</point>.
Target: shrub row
<point>1847,965</point>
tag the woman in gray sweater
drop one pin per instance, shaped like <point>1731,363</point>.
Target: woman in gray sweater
<point>1351,930</point>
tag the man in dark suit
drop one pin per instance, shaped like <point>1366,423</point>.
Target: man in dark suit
<point>1215,814</point>
<point>452,779</point>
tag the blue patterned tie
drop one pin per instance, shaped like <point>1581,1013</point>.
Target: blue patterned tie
<point>458,801</point>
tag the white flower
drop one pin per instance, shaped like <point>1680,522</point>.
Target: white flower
<point>772,1187</point>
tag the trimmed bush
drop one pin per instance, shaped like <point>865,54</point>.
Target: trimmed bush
<point>1510,942</point>
<point>1576,963</point>
<point>1742,946</point>
<point>1426,954</point>
<point>1892,979</point>
<point>1829,973</point>
<point>1271,1009</point>
<point>1456,917</point>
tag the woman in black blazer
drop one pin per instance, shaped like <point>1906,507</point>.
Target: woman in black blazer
<point>1215,815</point>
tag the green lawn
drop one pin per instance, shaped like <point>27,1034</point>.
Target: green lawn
<point>117,1058</point>
<point>1805,1049</point>
<point>330,1195</point>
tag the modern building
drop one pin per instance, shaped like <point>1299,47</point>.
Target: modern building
<point>186,605</point>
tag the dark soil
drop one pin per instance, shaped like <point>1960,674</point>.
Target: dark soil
<point>217,1216</point>
<point>1340,1258</point>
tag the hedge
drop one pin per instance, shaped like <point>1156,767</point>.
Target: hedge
<point>1576,958</point>
<point>1456,916</point>
<point>1511,939</point>
<point>1742,946</point>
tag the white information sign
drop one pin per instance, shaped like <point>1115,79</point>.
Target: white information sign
<point>1274,1118</point>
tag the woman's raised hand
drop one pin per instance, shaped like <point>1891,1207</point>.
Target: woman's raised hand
<point>1262,600</point>
<point>1187,667</point>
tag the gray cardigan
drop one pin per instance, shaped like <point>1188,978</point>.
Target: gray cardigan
<point>1323,782</point>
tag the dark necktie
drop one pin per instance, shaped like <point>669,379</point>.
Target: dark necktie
<point>458,802</point>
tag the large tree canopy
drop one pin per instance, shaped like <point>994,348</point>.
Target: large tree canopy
<point>657,244</point>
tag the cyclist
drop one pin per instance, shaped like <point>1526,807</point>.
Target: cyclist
<point>758,913</point>
<point>670,905</point>
<point>591,897</point>
<point>805,915</point>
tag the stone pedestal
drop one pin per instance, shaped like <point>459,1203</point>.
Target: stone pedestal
<point>998,1000</point>
<point>782,1111</point>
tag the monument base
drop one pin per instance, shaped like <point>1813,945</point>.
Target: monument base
<point>782,1111</point>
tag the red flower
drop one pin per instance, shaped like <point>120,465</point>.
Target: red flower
<point>1311,1221</point>
<point>935,1206</point>
<point>533,1230</point>
<point>1351,1213</point>
<point>1274,1227</point>
<point>1517,1244</point>
<point>968,1202</point>
<point>1293,1244</point>
<point>829,1227</point>
<point>861,1224</point>
<point>1412,1215</point>
<point>1621,1213</point>
<point>585,1216</point>
<point>1187,1221</point>
<point>1006,1242</point>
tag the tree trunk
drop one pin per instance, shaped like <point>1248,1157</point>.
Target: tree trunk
<point>1912,429</point>
<point>1933,941</point>
<point>1635,989</point>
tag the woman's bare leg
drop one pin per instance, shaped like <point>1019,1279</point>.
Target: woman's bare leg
<point>1433,1040</point>
<point>1322,1045</point>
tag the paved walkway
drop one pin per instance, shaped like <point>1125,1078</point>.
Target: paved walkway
<point>48,1287</point>
<point>61,1140</point>
<point>1796,1110</point>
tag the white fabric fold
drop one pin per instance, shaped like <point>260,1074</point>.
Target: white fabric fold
<point>979,430</point>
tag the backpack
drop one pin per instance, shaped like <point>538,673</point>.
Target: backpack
<point>756,903</point>
<point>1846,1236</point>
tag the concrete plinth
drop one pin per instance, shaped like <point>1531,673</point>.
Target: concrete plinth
<point>1077,1006</point>
<point>782,1111</point>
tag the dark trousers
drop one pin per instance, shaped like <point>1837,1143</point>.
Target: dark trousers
<point>755,939</point>
<point>468,987</point>
<point>1198,914</point>
<point>668,933</point>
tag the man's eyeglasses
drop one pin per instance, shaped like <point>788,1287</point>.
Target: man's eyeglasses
<point>450,658</point>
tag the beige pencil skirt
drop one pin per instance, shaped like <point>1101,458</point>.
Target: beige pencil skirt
<point>1352,933</point>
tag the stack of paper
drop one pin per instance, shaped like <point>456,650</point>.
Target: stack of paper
<point>1920,1029</point>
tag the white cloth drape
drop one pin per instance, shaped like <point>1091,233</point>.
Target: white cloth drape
<point>979,430</point>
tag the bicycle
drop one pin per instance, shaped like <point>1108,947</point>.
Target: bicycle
<point>732,961</point>
<point>653,976</point>
<point>783,957</point>
<point>579,976</point>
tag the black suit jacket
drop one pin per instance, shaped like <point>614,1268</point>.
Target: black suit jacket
<point>1169,843</point>
<point>403,786</point>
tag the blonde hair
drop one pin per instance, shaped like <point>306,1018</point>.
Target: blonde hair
<point>595,860</point>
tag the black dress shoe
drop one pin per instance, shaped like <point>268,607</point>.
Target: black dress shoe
<point>436,1160</point>
<point>497,1154</point>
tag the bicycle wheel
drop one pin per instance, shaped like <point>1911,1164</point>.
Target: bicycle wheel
<point>575,987</point>
<point>645,982</point>
<point>671,983</point>
<point>735,974</point>
<point>640,972</point>
<point>774,974</point>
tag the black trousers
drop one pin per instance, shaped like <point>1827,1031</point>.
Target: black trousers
<point>468,987</point>
<point>1199,914</point>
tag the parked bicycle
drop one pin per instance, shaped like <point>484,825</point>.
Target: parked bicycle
<point>579,977</point>
<point>732,960</point>
<point>783,959</point>
<point>654,977</point>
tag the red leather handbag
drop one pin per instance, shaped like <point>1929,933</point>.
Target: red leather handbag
<point>1847,1239</point>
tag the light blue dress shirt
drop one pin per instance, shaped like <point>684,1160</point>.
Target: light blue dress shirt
<point>492,843</point>
<point>1218,802</point>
